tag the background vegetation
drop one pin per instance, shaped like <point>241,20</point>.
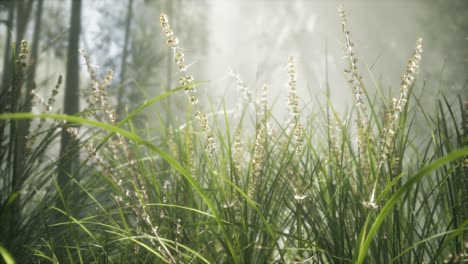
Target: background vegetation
<point>124,174</point>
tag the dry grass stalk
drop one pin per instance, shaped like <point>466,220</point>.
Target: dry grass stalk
<point>187,80</point>
<point>47,109</point>
<point>397,107</point>
<point>259,157</point>
<point>138,197</point>
<point>237,156</point>
<point>364,137</point>
<point>295,127</point>
<point>293,103</point>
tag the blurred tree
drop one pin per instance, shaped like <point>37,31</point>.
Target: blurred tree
<point>123,65</point>
<point>35,47</point>
<point>26,99</point>
<point>139,54</point>
<point>15,98</point>
<point>55,31</point>
<point>6,75</point>
<point>69,148</point>
<point>132,45</point>
<point>23,11</point>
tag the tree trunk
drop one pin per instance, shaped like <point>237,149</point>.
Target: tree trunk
<point>128,21</point>
<point>22,17</point>
<point>33,56</point>
<point>69,148</point>
<point>6,76</point>
<point>25,102</point>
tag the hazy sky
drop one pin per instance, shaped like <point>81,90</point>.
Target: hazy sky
<point>255,39</point>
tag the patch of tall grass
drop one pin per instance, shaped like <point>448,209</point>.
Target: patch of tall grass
<point>324,187</point>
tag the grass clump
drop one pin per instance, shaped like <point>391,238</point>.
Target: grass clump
<point>321,187</point>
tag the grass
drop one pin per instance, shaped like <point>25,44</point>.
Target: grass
<point>323,187</point>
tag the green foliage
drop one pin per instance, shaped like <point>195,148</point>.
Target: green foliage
<point>299,191</point>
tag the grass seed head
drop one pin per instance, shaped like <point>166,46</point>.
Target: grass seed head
<point>187,80</point>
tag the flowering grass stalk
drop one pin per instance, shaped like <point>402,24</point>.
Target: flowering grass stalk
<point>187,80</point>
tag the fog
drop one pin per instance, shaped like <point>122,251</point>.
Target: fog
<point>254,39</point>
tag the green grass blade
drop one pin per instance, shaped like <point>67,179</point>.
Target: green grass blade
<point>367,239</point>
<point>7,257</point>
